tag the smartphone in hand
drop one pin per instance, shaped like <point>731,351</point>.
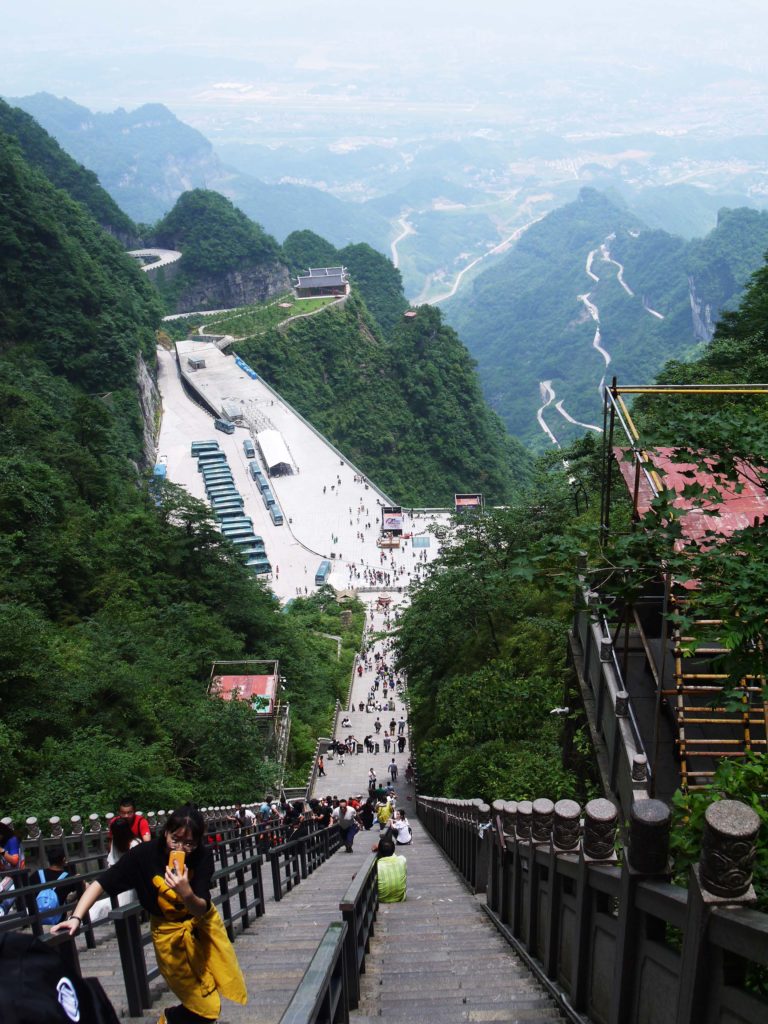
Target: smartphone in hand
<point>176,862</point>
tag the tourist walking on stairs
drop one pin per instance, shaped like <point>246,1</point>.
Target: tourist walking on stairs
<point>172,878</point>
<point>346,818</point>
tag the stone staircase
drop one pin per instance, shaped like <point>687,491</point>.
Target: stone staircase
<point>437,957</point>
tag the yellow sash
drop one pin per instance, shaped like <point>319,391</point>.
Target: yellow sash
<point>199,962</point>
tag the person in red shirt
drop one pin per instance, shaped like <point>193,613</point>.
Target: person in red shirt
<point>139,824</point>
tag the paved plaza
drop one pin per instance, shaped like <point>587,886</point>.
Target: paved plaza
<point>330,512</point>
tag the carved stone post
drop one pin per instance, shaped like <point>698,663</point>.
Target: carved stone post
<point>542,821</point>
<point>728,849</point>
<point>649,825</point>
<point>523,820</point>
<point>639,767</point>
<point>566,829</point>
<point>723,876</point>
<point>600,824</point>
<point>648,855</point>
<point>510,818</point>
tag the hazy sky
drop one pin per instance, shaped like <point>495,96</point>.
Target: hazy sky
<point>202,57</point>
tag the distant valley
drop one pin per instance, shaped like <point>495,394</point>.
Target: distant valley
<point>560,261</point>
<point>591,292</point>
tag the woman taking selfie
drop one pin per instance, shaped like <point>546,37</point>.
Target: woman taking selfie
<point>172,879</point>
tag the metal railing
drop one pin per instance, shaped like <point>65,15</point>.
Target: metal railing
<point>330,987</point>
<point>321,997</point>
<point>298,858</point>
<point>609,706</point>
<point>613,943</point>
<point>358,910</point>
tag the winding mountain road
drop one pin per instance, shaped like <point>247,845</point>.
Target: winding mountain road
<point>160,257</point>
<point>547,397</point>
<point>407,229</point>
<point>494,251</point>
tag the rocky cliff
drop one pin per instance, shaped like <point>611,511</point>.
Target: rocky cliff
<point>234,288</point>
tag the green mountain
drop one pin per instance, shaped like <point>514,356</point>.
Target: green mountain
<point>146,158</point>
<point>531,319</point>
<point>374,276</point>
<point>112,606</point>
<point>228,260</point>
<point>44,153</point>
<point>404,405</point>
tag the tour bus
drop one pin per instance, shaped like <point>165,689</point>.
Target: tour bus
<point>222,500</point>
<point>218,478</point>
<point>225,426</point>
<point>222,491</point>
<point>225,515</point>
<point>212,468</point>
<point>323,572</point>
<point>226,503</point>
<point>236,524</point>
<point>211,459</point>
<point>248,448</point>
<point>198,447</point>
<point>277,515</point>
<point>221,485</point>
<point>259,566</point>
<point>243,532</point>
<point>253,543</point>
<point>217,485</point>
<point>255,470</point>
<point>268,497</point>
<point>249,553</point>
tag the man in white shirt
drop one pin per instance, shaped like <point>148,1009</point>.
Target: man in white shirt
<point>346,818</point>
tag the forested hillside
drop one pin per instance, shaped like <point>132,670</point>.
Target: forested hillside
<point>228,260</point>
<point>405,407</point>
<point>530,320</point>
<point>485,639</point>
<point>43,152</point>
<point>112,607</point>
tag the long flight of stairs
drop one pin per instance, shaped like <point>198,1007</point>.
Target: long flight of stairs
<point>438,958</point>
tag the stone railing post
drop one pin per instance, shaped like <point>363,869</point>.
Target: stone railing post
<point>566,832</point>
<point>542,823</point>
<point>647,856</point>
<point>601,821</point>
<point>723,877</point>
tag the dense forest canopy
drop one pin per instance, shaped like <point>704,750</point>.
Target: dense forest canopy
<point>112,607</point>
<point>405,407</point>
<point>213,234</point>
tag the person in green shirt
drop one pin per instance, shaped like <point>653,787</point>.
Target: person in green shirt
<point>392,872</point>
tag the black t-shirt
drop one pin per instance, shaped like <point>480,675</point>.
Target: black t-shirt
<point>143,869</point>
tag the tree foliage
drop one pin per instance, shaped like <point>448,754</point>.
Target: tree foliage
<point>213,235</point>
<point>484,646</point>
<point>406,409</point>
<point>113,607</point>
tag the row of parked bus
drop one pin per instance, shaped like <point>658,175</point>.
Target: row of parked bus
<point>228,505</point>
<point>270,502</point>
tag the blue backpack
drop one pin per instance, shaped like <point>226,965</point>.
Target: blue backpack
<point>48,901</point>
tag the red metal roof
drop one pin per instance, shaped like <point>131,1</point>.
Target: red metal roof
<point>736,509</point>
<point>258,690</point>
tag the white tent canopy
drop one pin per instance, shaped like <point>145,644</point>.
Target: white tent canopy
<point>274,452</point>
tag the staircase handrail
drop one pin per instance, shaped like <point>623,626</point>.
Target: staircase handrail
<point>595,933</point>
